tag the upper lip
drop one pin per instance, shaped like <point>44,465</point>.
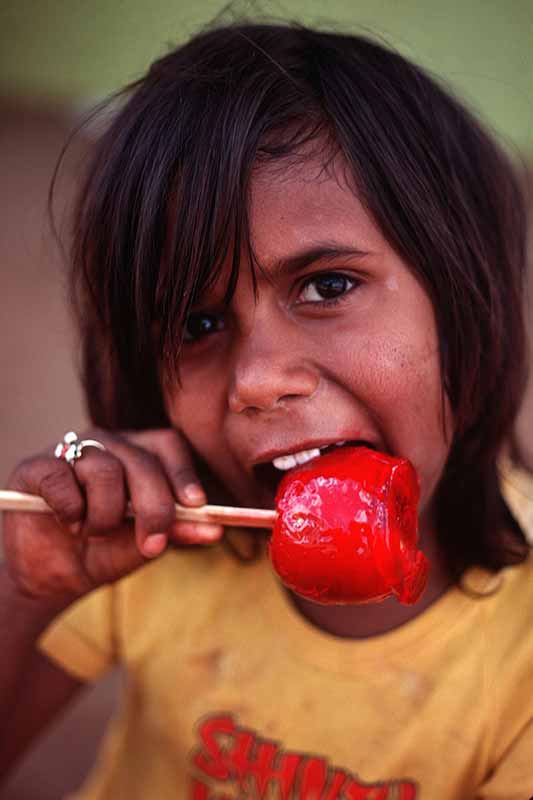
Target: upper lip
<point>266,456</point>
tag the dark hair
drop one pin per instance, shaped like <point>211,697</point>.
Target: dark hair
<point>165,200</point>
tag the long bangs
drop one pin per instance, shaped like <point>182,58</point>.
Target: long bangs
<point>164,208</point>
<point>206,225</point>
<point>208,230</point>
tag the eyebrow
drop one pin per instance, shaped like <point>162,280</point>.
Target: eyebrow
<point>299,260</point>
<point>303,258</point>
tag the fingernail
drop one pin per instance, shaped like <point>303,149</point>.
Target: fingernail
<point>74,528</point>
<point>155,544</point>
<point>194,493</point>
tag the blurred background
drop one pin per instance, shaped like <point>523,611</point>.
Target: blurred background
<point>59,58</point>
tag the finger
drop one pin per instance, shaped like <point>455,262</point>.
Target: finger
<point>54,480</point>
<point>148,543</point>
<point>175,456</point>
<point>150,493</point>
<point>101,475</point>
<point>195,533</point>
<point>114,556</point>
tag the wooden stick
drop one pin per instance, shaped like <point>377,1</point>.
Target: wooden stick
<point>222,515</point>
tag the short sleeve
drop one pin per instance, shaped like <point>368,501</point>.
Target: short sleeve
<point>512,778</point>
<point>82,639</point>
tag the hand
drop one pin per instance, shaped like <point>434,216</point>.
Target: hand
<point>88,542</point>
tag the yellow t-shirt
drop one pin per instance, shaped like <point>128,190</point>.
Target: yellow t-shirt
<point>232,694</point>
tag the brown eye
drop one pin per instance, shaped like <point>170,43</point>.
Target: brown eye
<point>325,287</point>
<point>199,325</point>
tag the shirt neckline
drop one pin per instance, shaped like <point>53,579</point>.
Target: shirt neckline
<point>309,643</point>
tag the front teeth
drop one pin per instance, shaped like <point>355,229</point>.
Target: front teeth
<point>291,461</point>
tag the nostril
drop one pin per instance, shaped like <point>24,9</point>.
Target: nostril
<point>270,381</point>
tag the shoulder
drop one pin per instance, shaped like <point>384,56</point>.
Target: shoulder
<point>517,589</point>
<point>507,608</point>
<point>184,587</point>
<point>181,592</point>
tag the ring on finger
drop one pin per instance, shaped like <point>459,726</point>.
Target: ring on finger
<point>71,448</point>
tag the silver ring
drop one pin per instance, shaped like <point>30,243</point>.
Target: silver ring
<point>70,449</point>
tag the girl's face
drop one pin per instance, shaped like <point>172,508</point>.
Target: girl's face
<point>339,344</point>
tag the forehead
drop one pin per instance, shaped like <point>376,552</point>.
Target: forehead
<point>299,212</point>
<point>294,206</point>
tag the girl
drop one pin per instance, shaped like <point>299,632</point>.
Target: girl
<point>286,238</point>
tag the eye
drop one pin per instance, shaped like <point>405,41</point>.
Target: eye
<point>326,288</point>
<point>199,325</point>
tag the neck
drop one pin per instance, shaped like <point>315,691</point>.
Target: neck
<point>373,619</point>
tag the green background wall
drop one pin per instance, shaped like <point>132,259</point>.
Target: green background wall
<point>83,49</point>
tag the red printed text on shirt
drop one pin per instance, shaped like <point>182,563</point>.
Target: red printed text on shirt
<point>235,762</point>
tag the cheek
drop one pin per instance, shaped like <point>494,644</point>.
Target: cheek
<point>396,356</point>
<point>196,411</point>
<point>394,373</point>
<point>420,413</point>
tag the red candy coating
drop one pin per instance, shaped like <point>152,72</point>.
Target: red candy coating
<point>346,530</point>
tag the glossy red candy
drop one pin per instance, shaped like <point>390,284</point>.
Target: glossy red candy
<point>346,530</point>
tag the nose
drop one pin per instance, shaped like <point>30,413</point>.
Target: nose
<point>267,373</point>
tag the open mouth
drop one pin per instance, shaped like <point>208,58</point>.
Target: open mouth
<point>270,474</point>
